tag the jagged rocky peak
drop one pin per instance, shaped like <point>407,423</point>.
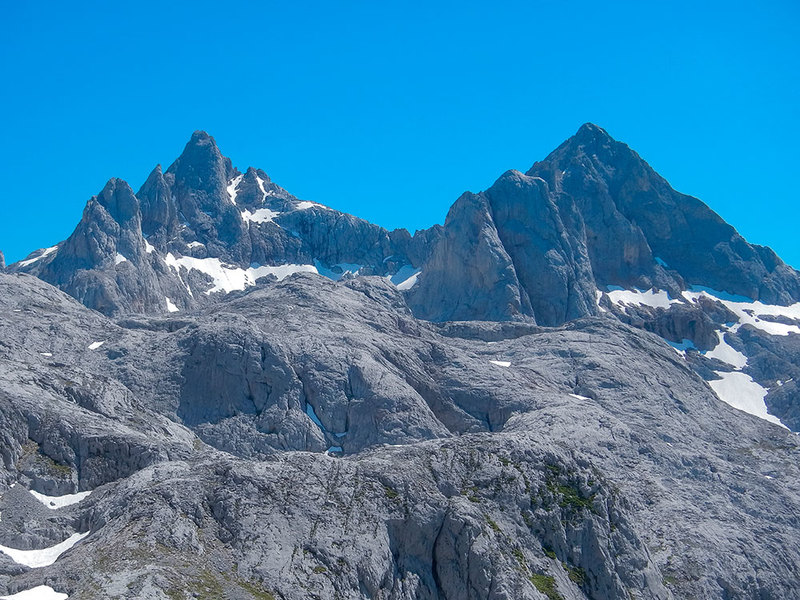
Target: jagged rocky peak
<point>159,213</point>
<point>199,176</point>
<point>641,232</point>
<point>2,261</point>
<point>515,251</point>
<point>118,199</point>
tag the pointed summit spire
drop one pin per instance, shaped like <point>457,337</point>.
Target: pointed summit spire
<point>118,199</point>
<point>200,168</point>
<point>592,132</point>
<point>158,208</point>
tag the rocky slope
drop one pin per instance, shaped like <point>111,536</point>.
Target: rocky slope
<point>238,394</point>
<point>312,439</point>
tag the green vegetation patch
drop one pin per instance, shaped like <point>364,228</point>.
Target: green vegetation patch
<point>546,584</point>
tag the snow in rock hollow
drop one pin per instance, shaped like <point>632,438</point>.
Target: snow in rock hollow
<point>45,252</point>
<point>740,391</point>
<point>653,298</point>
<point>337,271</point>
<point>500,363</point>
<point>579,397</point>
<point>148,247</point>
<point>727,354</point>
<point>41,592</point>
<point>171,305</point>
<point>229,279</point>
<point>405,278</point>
<point>95,345</point>
<point>44,557</point>
<point>305,205</point>
<point>232,185</point>
<point>55,502</point>
<point>119,259</point>
<point>749,312</point>
<point>261,215</point>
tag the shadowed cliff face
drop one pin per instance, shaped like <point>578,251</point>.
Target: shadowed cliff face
<point>621,198</point>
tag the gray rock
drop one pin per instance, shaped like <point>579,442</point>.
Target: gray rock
<point>597,463</point>
<point>632,215</point>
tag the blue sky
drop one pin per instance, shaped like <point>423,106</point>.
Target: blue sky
<point>391,110</point>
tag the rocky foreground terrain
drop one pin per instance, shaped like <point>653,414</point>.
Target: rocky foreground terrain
<point>582,386</point>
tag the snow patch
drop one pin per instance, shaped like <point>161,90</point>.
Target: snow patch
<point>195,244</point>
<point>652,298</point>
<point>337,271</point>
<point>40,592</point>
<point>727,354</point>
<point>228,279</point>
<point>748,312</point>
<point>96,345</point>
<point>579,397</point>
<point>305,205</point>
<point>45,252</point>
<point>47,354</point>
<point>598,295</point>
<point>148,247</point>
<point>171,306</point>
<point>405,278</point>
<point>500,363</point>
<point>119,259</point>
<point>741,392</point>
<point>55,502</point>
<point>231,189</point>
<point>44,557</point>
<point>261,215</point>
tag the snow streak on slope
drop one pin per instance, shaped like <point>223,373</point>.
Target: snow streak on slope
<point>227,278</point>
<point>45,556</point>
<point>654,298</point>
<point>40,592</point>
<point>45,252</point>
<point>740,391</point>
<point>752,313</point>
<point>55,502</point>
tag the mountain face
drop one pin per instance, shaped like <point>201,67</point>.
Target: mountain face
<point>582,386</point>
<point>203,229</point>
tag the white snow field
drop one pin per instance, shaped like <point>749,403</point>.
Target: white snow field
<point>45,556</point>
<point>55,502</point>
<point>40,592</point>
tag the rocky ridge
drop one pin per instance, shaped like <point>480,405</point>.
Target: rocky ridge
<point>511,406</point>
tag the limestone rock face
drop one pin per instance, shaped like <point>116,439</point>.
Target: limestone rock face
<point>582,386</point>
<point>393,457</point>
<point>632,216</point>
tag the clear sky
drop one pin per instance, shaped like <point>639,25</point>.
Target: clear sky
<point>390,110</point>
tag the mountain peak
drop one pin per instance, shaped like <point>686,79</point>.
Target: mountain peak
<point>118,198</point>
<point>591,134</point>
<point>202,137</point>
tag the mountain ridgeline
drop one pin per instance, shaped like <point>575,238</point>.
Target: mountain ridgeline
<point>583,386</point>
<point>534,246</point>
